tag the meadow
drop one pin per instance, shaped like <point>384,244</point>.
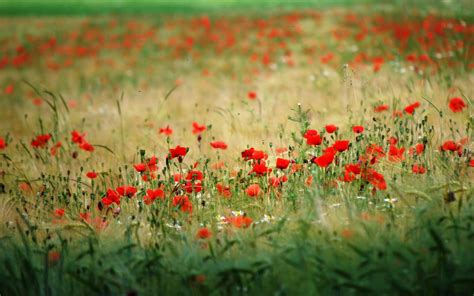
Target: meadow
<point>292,150</point>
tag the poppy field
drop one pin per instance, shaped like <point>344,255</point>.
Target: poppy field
<point>304,151</point>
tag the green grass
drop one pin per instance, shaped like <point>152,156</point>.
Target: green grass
<point>130,7</point>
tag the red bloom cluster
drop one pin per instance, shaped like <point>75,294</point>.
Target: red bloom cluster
<point>40,141</point>
<point>113,196</point>
<point>183,203</point>
<point>312,138</point>
<point>80,139</point>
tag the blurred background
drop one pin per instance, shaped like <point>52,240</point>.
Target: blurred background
<point>85,7</point>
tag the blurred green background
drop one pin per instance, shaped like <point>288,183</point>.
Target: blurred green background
<point>86,7</point>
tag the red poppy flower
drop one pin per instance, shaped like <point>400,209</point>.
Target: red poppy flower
<point>9,89</point>
<point>197,129</point>
<point>140,167</point>
<point>393,140</point>
<point>260,168</point>
<point>450,146</point>
<point>247,154</point>
<point>203,233</point>
<point>281,150</point>
<point>194,175</point>
<point>341,145</point>
<point>381,108</point>
<point>456,104</point>
<point>41,141</point>
<point>183,203</point>
<point>53,257</point>
<point>282,163</point>
<point>152,195</point>
<point>223,190</point>
<point>55,148</point>
<point>167,131</point>
<point>252,95</point>
<point>86,146</point>
<point>77,137</point>
<point>91,175</point>
<point>178,151</point>
<point>324,160</point>
<point>410,109</point>
<point>59,213</point>
<point>357,129</point>
<point>258,155</point>
<point>219,145</point>
<point>312,137</point>
<point>126,190</point>
<point>375,178</point>
<point>327,58</point>
<point>3,144</point>
<point>417,149</point>
<point>191,187</point>
<point>471,163</point>
<point>395,154</point>
<point>331,128</point>
<point>353,168</point>
<point>418,169</point>
<point>253,190</point>
<point>111,197</point>
<point>239,221</point>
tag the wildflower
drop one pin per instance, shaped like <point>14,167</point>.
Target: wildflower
<point>140,167</point>
<point>91,175</point>
<point>111,197</point>
<point>77,137</point>
<point>219,145</point>
<point>418,169</point>
<point>252,95</point>
<point>450,146</point>
<point>86,146</point>
<point>282,163</point>
<point>53,257</point>
<point>260,168</point>
<point>3,144</point>
<point>347,233</point>
<point>375,178</point>
<point>126,190</point>
<point>40,141</point>
<point>253,190</point>
<point>240,221</point>
<point>167,131</point>
<point>312,137</point>
<point>183,203</point>
<point>203,233</point>
<point>417,149</point>
<point>247,154</point>
<point>341,145</point>
<point>197,129</point>
<point>152,195</point>
<point>331,128</point>
<point>59,213</point>
<point>381,108</point>
<point>357,129</point>
<point>178,151</point>
<point>55,148</point>
<point>410,109</point>
<point>395,154</point>
<point>456,104</point>
<point>324,160</point>
<point>223,190</point>
<point>258,155</point>
<point>9,89</point>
